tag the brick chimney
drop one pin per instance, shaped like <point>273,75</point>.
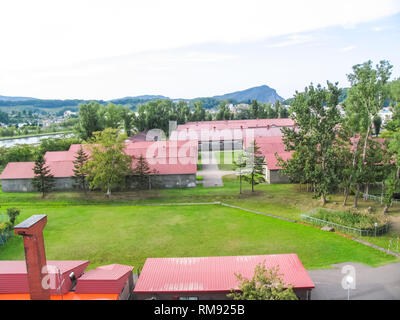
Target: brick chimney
<point>35,257</point>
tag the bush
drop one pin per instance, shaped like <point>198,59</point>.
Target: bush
<point>13,213</point>
<point>350,219</point>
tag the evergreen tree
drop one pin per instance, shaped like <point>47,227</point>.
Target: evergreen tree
<point>255,164</point>
<point>43,180</point>
<point>79,169</point>
<point>143,173</point>
<point>239,166</point>
<point>377,125</point>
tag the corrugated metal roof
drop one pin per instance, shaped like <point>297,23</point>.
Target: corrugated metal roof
<point>268,147</point>
<point>215,274</point>
<point>18,170</point>
<point>230,129</point>
<point>167,157</point>
<point>104,279</point>
<point>14,277</point>
<point>60,156</point>
<point>24,170</point>
<point>238,124</point>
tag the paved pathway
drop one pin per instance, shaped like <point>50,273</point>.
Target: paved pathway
<point>212,176</point>
<point>381,283</point>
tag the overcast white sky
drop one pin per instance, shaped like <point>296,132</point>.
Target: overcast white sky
<point>185,49</point>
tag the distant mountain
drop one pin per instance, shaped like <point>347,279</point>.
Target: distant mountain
<point>5,98</point>
<point>143,97</point>
<point>263,94</point>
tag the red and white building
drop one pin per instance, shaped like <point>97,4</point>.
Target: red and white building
<point>212,278</point>
<point>272,148</point>
<point>229,134</point>
<point>175,164</point>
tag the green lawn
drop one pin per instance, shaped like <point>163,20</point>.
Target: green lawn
<point>225,159</point>
<point>93,216</point>
<point>107,234</point>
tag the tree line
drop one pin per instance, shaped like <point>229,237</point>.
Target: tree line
<point>157,114</point>
<point>333,152</point>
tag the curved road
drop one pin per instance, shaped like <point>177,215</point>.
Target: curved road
<point>382,283</point>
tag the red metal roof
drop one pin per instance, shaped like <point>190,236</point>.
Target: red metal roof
<point>18,170</point>
<point>238,124</point>
<point>104,279</point>
<point>230,129</point>
<point>14,278</point>
<point>173,166</point>
<point>167,157</point>
<point>60,156</point>
<point>163,149</point>
<point>24,170</point>
<point>215,274</point>
<point>268,147</point>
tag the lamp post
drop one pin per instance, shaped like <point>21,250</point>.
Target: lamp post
<point>349,281</point>
<point>376,225</point>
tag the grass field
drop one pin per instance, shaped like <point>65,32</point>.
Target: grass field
<point>225,159</point>
<point>107,234</point>
<point>110,231</point>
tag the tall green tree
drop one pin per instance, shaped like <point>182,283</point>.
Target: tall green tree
<point>316,115</point>
<point>79,169</point>
<point>113,115</point>
<point>255,165</point>
<point>392,180</point>
<point>128,119</point>
<point>366,97</point>
<point>239,166</point>
<point>377,125</point>
<point>90,119</point>
<point>266,284</point>
<point>223,111</point>
<point>199,114</point>
<point>108,165</point>
<point>43,180</point>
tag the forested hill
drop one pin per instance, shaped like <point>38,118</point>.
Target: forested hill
<point>262,94</point>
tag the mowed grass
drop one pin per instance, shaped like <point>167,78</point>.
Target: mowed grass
<point>225,159</point>
<point>107,234</point>
<point>288,201</point>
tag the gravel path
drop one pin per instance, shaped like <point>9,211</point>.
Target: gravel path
<point>212,176</point>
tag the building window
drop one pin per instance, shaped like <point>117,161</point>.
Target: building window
<point>188,298</point>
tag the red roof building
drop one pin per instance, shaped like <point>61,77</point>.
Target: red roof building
<point>105,279</point>
<point>214,277</point>
<point>114,282</point>
<point>271,148</point>
<point>230,129</point>
<point>177,158</point>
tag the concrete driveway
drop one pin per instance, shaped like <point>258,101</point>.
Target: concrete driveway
<point>381,283</point>
<point>212,176</point>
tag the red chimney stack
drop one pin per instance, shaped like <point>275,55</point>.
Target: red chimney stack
<point>35,256</point>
